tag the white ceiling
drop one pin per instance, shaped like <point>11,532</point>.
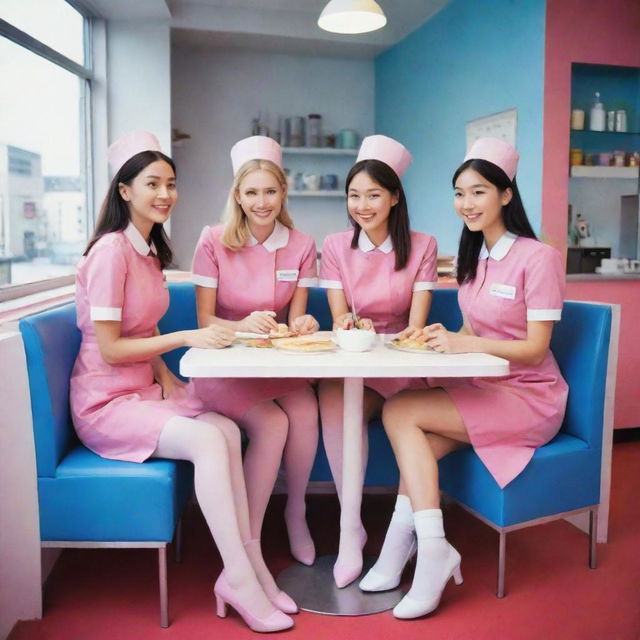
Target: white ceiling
<point>288,26</point>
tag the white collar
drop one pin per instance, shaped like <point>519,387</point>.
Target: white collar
<point>500,248</point>
<point>279,238</point>
<point>137,241</point>
<point>364,244</point>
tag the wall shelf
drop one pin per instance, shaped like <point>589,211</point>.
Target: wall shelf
<point>317,194</point>
<point>320,151</point>
<point>581,171</point>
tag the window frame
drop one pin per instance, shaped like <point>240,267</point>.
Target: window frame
<point>84,73</point>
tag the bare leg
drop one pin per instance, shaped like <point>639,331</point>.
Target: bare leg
<point>300,450</point>
<point>407,418</point>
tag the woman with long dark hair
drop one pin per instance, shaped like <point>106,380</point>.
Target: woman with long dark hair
<point>383,272</point>
<point>125,403</point>
<point>511,293</point>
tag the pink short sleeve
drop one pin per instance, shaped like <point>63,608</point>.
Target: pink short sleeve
<point>106,272</point>
<point>427,276</point>
<point>330,277</point>
<point>544,284</point>
<point>204,270</point>
<point>308,276</point>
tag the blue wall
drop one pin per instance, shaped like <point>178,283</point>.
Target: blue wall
<point>471,60</point>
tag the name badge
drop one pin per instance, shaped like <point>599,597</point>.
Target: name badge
<point>503,291</point>
<point>287,275</point>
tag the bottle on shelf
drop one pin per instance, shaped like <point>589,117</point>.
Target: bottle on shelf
<point>597,115</point>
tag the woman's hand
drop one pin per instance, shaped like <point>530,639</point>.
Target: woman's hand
<point>259,322</point>
<point>305,325</point>
<point>443,341</point>
<point>212,337</point>
<point>413,333</point>
<point>345,321</point>
<point>168,382</point>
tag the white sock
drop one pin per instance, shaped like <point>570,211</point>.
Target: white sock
<point>436,557</point>
<point>398,539</point>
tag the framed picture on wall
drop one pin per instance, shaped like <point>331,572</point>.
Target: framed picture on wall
<point>497,125</point>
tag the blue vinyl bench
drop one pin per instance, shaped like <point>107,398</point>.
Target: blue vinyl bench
<point>86,500</point>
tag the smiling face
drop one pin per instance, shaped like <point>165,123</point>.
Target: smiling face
<point>369,204</point>
<point>479,203</point>
<point>260,195</point>
<point>151,196</point>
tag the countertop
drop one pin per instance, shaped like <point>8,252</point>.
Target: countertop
<point>601,277</point>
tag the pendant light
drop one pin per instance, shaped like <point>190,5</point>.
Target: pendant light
<point>352,16</point>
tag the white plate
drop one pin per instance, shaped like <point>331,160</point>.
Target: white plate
<point>408,349</point>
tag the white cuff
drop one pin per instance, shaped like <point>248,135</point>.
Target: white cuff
<point>308,282</point>
<point>331,284</point>
<point>106,313</point>
<point>424,286</point>
<point>544,314</point>
<point>204,281</point>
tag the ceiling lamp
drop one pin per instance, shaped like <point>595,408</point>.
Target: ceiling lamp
<point>352,16</point>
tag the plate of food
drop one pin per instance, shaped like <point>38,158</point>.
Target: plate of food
<point>409,345</point>
<point>305,344</point>
<point>263,340</point>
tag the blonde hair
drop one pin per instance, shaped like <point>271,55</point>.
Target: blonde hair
<point>236,229</point>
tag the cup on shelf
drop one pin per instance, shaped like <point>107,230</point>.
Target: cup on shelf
<point>576,157</point>
<point>329,181</point>
<point>298,182</point>
<point>311,181</point>
<point>604,159</point>
<point>348,139</point>
<point>577,119</point>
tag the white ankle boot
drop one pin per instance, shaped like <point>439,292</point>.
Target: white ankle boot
<point>437,563</point>
<point>398,548</point>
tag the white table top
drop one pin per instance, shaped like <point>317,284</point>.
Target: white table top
<point>240,361</point>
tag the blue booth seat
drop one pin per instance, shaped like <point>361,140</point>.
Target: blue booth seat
<point>564,476</point>
<point>85,500</point>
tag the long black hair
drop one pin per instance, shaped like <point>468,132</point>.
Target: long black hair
<point>399,231</point>
<point>513,215</point>
<point>114,213</point>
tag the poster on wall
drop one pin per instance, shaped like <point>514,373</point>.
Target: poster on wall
<point>497,125</point>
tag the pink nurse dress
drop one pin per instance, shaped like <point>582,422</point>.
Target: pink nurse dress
<point>520,280</point>
<point>370,282</point>
<point>257,277</point>
<point>118,410</point>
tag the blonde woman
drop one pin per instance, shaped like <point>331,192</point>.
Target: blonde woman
<point>251,273</point>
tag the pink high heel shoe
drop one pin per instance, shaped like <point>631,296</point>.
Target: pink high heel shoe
<point>225,595</point>
<point>345,574</point>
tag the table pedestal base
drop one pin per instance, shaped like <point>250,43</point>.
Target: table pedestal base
<point>314,590</point>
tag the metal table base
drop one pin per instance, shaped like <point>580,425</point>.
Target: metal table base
<point>313,588</point>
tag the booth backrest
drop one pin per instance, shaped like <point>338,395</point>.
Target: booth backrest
<point>51,343</point>
<point>580,344</point>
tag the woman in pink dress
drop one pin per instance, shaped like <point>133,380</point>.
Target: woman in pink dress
<point>384,273</point>
<point>125,403</point>
<point>253,272</point>
<point>511,293</point>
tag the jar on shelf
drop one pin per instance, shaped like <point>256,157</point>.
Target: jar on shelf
<point>576,157</point>
<point>314,130</point>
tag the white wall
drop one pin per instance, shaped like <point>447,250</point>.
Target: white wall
<point>20,571</point>
<point>139,78</point>
<point>215,95</point>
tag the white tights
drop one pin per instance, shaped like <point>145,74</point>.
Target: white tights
<point>212,443</point>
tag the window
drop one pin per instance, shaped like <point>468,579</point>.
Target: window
<point>45,80</point>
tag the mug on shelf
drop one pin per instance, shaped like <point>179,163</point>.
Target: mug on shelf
<point>348,139</point>
<point>311,181</point>
<point>329,182</point>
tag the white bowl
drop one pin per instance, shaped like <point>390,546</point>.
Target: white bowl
<point>355,339</point>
